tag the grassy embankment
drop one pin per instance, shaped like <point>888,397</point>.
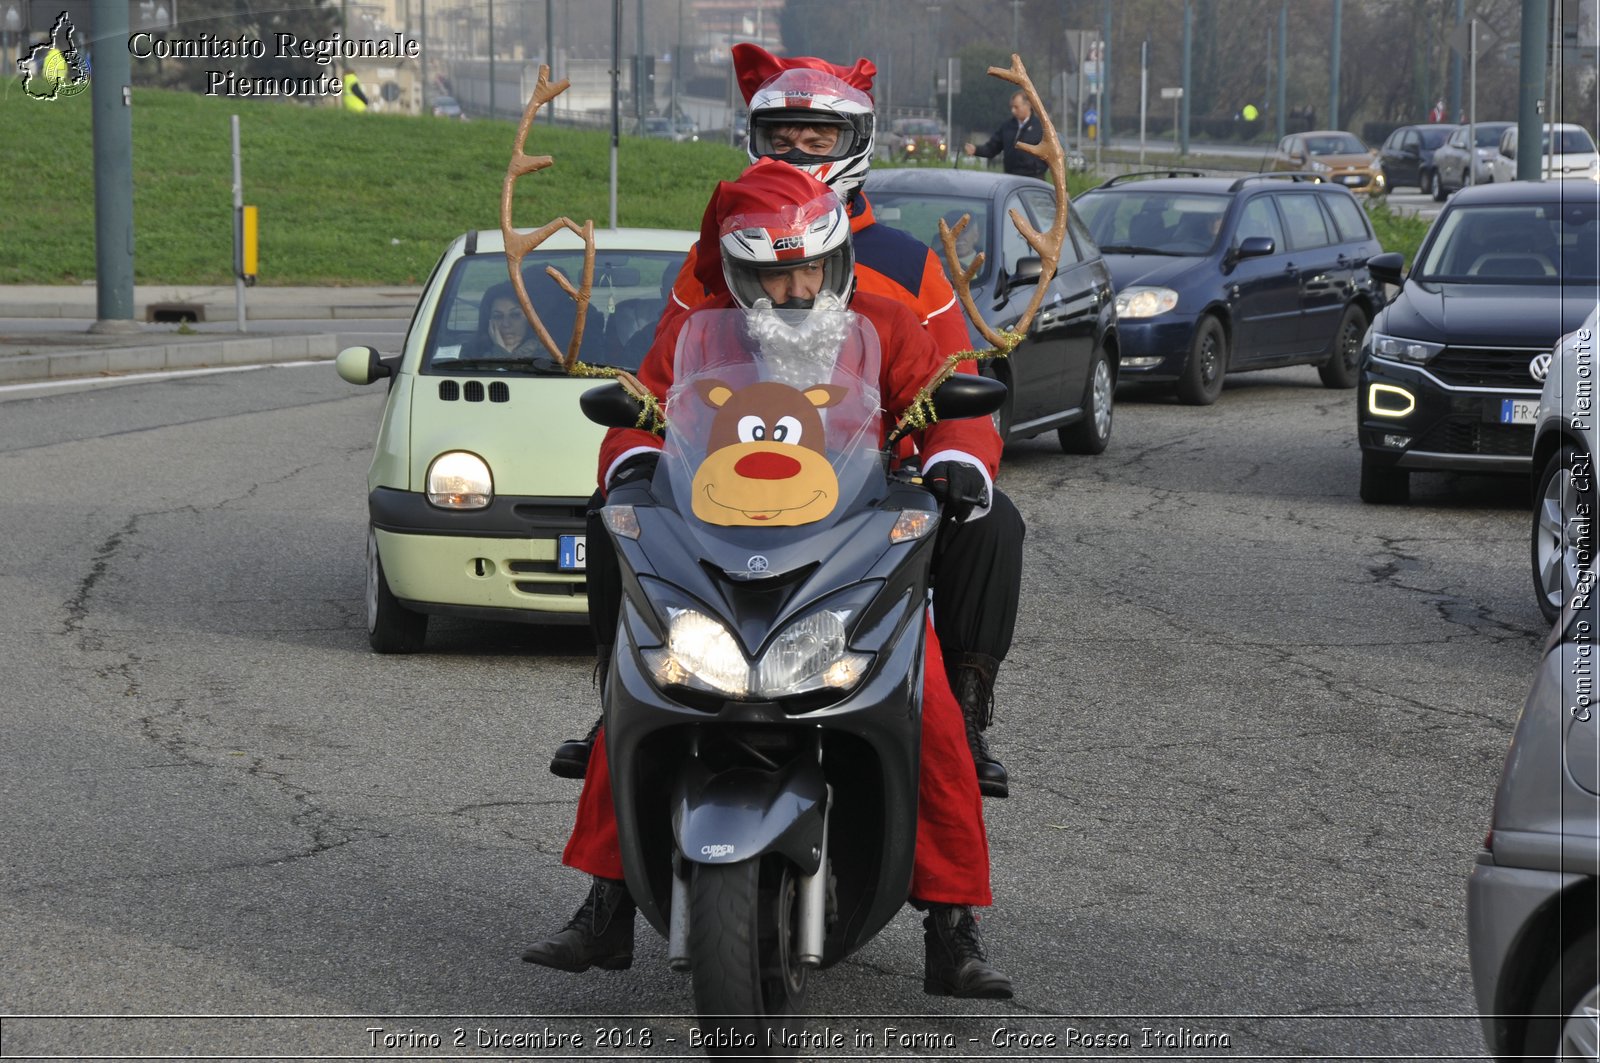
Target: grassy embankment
<point>344,199</point>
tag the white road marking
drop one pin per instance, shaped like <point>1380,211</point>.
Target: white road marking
<point>133,378</point>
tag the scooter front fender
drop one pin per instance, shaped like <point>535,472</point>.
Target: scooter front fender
<point>742,813</point>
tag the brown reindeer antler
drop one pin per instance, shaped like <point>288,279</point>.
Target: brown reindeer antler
<point>519,244</point>
<point>1048,246</point>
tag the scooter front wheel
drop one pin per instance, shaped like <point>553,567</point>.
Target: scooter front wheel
<point>743,951</point>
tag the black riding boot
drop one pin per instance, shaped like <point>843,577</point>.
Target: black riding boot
<point>973,682</point>
<point>572,756</point>
<point>954,964</point>
<point>599,934</point>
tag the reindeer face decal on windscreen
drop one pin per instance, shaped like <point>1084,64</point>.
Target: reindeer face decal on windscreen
<point>765,464</point>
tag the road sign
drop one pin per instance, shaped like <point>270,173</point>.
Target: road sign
<point>1459,38</point>
<point>1174,93</point>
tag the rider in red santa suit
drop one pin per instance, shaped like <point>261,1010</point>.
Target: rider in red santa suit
<point>951,868</point>
<point>819,117</point>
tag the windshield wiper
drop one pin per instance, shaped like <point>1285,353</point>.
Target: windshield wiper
<point>1134,249</point>
<point>519,364</point>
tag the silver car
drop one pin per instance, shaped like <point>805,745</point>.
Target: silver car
<point>1531,898</point>
<point>1565,442</point>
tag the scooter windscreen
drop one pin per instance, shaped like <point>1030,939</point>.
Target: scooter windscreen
<point>775,424</point>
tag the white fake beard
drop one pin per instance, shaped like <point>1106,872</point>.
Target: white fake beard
<point>802,354</point>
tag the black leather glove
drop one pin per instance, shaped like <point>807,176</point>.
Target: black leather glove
<point>638,469</point>
<point>959,487</point>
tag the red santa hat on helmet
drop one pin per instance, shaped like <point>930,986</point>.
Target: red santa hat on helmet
<point>778,205</point>
<point>754,66</point>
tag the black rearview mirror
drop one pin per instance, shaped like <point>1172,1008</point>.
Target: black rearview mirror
<point>968,395</point>
<point>1027,271</point>
<point>610,406</point>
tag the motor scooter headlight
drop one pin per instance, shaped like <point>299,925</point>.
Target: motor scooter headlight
<point>699,653</point>
<point>810,654</point>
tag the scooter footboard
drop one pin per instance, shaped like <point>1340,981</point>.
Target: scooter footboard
<point>739,814</point>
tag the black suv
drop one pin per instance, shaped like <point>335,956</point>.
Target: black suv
<point>1452,369</point>
<point>1220,274</point>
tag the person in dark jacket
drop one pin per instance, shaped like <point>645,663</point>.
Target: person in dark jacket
<point>1024,128</point>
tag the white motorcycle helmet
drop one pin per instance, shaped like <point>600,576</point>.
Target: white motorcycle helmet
<point>806,97</point>
<point>777,218</point>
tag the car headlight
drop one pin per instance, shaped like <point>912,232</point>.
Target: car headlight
<point>810,654</point>
<point>458,480</point>
<point>1319,167</point>
<point>1401,349</point>
<point>1145,302</point>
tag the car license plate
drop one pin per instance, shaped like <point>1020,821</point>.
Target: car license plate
<point>1349,179</point>
<point>572,553</point>
<point>1519,411</point>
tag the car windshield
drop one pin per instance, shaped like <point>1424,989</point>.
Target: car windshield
<point>1568,142</point>
<point>1525,243</point>
<point>918,213</point>
<point>1335,144</point>
<point>1153,222</point>
<point>918,127</point>
<point>1432,138</point>
<point>479,326</point>
<point>1489,135</point>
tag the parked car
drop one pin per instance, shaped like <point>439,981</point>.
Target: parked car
<point>1565,151</point>
<point>1565,444</point>
<point>1332,154</point>
<point>1451,161</point>
<point>916,138</point>
<point>448,107</point>
<point>1531,911</point>
<point>660,127</point>
<point>1406,158</point>
<point>1063,374</point>
<point>484,464</point>
<point>1220,274</point>
<point>1451,370</point>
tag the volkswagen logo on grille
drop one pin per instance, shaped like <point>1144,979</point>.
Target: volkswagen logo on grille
<point>1539,368</point>
<point>757,563</point>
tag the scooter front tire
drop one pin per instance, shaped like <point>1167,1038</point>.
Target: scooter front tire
<point>743,932</point>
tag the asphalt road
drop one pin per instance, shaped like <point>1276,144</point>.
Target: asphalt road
<point>1253,729</point>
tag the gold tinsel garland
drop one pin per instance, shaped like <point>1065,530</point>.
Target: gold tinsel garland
<point>919,414</point>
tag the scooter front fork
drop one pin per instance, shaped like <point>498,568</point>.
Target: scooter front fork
<point>813,907</point>
<point>812,913</point>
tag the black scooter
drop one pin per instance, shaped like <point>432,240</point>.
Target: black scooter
<point>763,704</point>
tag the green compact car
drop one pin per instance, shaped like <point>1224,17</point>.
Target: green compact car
<point>484,464</point>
